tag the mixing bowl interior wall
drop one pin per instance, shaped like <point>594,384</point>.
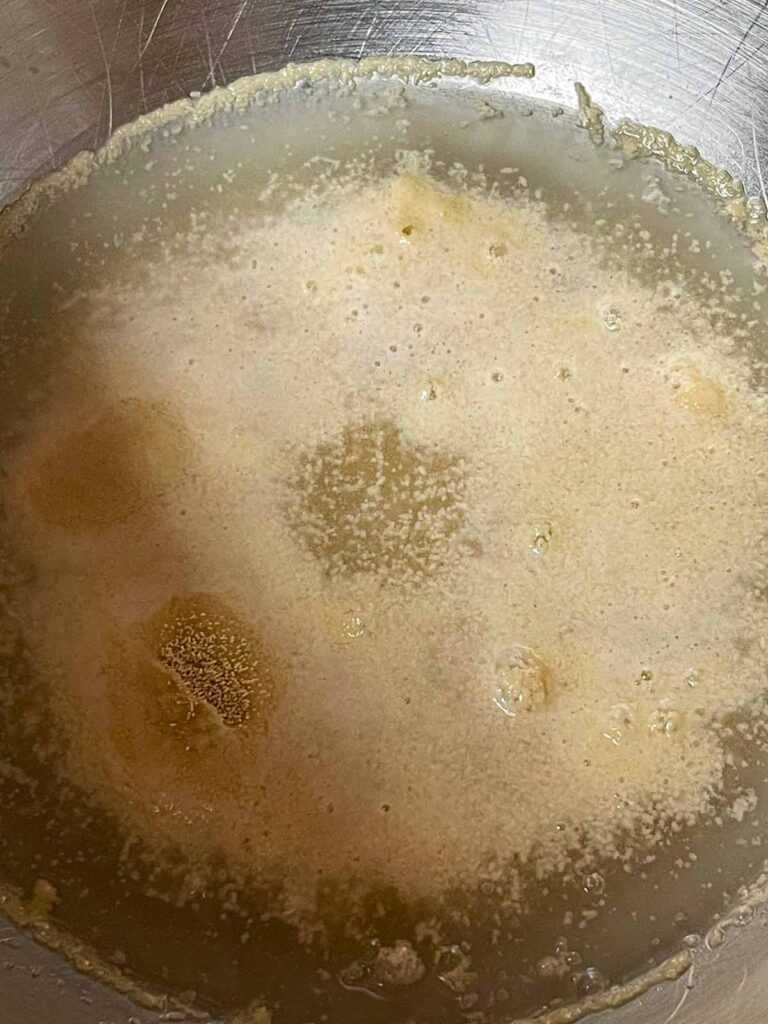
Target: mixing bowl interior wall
<point>71,72</point>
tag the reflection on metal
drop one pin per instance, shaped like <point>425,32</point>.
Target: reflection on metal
<point>72,70</point>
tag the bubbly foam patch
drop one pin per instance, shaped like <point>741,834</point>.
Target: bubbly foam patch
<point>372,504</point>
<point>409,539</point>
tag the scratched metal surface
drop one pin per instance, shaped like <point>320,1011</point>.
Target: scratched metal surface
<point>72,70</point>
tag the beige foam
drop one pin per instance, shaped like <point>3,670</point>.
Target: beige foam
<point>404,457</point>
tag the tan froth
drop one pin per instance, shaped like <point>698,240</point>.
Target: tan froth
<point>418,207</point>
<point>452,538</point>
<point>702,395</point>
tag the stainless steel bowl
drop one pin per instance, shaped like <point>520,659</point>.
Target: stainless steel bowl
<point>73,70</point>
